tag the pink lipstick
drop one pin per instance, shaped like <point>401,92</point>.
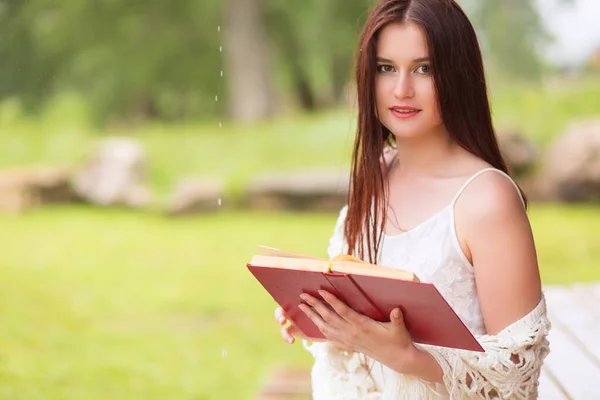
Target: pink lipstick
<point>404,112</point>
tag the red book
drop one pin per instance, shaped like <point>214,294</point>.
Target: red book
<point>369,289</point>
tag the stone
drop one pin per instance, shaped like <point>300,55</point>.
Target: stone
<point>571,168</point>
<point>518,151</point>
<point>114,175</point>
<point>27,187</point>
<point>312,189</point>
<point>196,195</point>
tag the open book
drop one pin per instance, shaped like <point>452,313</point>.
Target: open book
<point>369,289</point>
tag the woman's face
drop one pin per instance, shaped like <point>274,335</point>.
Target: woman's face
<point>405,92</point>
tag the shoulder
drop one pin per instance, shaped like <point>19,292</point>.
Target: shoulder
<point>490,196</point>
<point>493,227</point>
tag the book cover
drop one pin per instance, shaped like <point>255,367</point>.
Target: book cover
<point>428,317</point>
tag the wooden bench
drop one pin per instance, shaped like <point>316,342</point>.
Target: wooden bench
<point>287,384</point>
<point>571,370</point>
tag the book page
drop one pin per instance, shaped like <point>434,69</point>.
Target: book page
<point>301,264</point>
<point>273,252</point>
<point>348,267</point>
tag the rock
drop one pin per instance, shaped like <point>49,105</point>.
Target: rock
<point>518,151</point>
<point>315,190</point>
<point>571,169</point>
<point>116,174</point>
<point>192,195</point>
<point>27,187</point>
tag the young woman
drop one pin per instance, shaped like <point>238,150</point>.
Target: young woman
<point>443,207</point>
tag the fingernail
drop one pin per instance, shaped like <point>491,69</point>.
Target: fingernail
<point>290,340</point>
<point>304,297</point>
<point>280,320</point>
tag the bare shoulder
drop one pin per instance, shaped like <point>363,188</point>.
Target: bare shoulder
<point>495,234</point>
<point>491,195</point>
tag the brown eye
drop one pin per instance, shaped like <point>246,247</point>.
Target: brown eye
<point>384,68</point>
<point>423,69</point>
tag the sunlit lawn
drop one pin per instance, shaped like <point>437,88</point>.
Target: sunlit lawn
<point>113,304</point>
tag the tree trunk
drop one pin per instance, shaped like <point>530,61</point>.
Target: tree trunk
<point>251,97</point>
<point>340,76</point>
<point>290,49</point>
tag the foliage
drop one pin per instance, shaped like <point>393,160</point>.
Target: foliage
<point>314,43</point>
<point>127,59</point>
<point>513,31</point>
<point>161,60</point>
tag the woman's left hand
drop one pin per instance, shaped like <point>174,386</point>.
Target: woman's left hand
<point>386,342</point>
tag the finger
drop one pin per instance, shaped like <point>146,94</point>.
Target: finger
<point>345,312</point>
<point>280,316</point>
<point>296,333</point>
<point>286,334</point>
<point>326,313</point>
<point>324,327</point>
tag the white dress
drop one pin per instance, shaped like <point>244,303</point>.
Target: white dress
<point>431,250</point>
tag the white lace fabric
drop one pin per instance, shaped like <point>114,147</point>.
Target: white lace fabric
<point>510,367</point>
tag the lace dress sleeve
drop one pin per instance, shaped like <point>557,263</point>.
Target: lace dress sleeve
<point>509,368</point>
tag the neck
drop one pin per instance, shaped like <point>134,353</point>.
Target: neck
<point>424,154</point>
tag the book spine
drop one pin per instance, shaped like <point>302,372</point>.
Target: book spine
<point>351,294</point>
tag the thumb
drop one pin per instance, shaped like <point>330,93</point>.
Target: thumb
<point>396,317</point>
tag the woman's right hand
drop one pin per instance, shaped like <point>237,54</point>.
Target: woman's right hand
<point>290,331</point>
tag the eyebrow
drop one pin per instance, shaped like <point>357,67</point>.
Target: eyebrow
<point>416,60</point>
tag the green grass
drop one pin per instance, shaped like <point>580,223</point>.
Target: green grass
<point>110,304</point>
<point>567,242</point>
<point>544,111</point>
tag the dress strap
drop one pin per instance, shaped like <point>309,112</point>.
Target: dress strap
<point>475,175</point>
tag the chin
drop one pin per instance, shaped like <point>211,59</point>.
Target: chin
<point>406,132</point>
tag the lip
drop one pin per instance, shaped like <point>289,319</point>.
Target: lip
<point>409,112</point>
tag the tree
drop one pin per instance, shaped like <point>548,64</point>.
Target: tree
<point>248,66</point>
<point>511,31</point>
<point>127,59</point>
<point>314,43</point>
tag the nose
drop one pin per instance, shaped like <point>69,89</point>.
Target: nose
<point>404,86</point>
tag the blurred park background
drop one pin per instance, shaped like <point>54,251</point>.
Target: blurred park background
<point>147,148</point>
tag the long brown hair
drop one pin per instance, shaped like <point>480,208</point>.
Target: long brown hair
<point>461,89</point>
